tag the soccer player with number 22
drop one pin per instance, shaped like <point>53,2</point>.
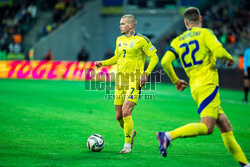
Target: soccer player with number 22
<point>198,49</point>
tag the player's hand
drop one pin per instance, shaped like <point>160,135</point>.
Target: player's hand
<point>229,63</point>
<point>245,73</point>
<point>98,64</point>
<point>181,85</point>
<point>143,80</point>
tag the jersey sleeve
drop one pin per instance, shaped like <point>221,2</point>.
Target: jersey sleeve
<point>166,63</point>
<point>147,47</point>
<point>221,53</point>
<point>215,46</point>
<point>210,40</point>
<point>111,61</point>
<point>152,63</point>
<point>150,51</point>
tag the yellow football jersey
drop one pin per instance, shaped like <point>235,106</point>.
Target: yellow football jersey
<point>130,54</point>
<point>194,48</point>
<point>132,51</point>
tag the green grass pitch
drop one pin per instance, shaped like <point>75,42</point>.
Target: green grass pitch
<point>47,123</point>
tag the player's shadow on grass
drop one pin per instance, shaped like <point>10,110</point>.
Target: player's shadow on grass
<point>109,154</point>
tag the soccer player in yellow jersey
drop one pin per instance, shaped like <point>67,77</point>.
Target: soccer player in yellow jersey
<point>198,49</point>
<point>130,54</point>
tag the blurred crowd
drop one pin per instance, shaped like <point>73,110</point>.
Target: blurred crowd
<point>62,11</point>
<point>18,17</point>
<point>231,25</point>
<point>15,21</point>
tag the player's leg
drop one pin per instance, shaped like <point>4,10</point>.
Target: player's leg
<point>127,109</point>
<point>194,129</point>
<point>118,102</point>
<point>118,114</point>
<point>208,105</point>
<point>229,140</point>
<point>208,109</point>
<point>210,123</point>
<point>132,97</point>
<point>189,130</point>
<point>208,101</point>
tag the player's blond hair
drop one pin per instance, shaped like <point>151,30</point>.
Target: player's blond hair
<point>192,15</point>
<point>131,19</point>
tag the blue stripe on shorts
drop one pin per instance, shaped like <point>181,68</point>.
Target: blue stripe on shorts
<point>205,102</point>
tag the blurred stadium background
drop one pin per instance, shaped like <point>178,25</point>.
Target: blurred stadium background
<point>58,39</point>
<point>86,30</point>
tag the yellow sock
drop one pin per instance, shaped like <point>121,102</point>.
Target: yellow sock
<point>233,147</point>
<point>189,130</point>
<point>128,129</point>
<point>121,123</point>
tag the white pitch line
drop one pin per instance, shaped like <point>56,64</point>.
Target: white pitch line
<point>229,101</point>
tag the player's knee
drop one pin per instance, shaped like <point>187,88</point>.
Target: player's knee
<point>210,130</point>
<point>126,114</point>
<point>127,110</point>
<point>226,128</point>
